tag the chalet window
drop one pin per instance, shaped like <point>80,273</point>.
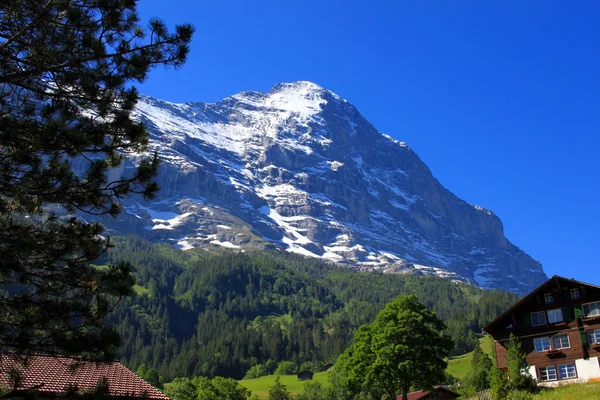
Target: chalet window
<point>561,342</point>
<point>538,318</point>
<point>555,316</point>
<point>541,344</point>
<point>548,373</point>
<point>575,293</point>
<point>594,337</point>
<point>548,298</point>
<point>591,309</point>
<point>567,371</point>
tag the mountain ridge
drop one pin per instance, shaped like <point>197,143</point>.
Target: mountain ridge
<point>299,169</point>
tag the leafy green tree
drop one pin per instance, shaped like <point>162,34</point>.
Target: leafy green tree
<point>270,366</point>
<point>66,97</point>
<point>310,366</point>
<point>286,368</point>
<point>220,388</point>
<point>181,389</point>
<point>229,389</point>
<point>278,391</point>
<point>518,374</point>
<point>256,371</point>
<point>153,378</point>
<point>404,347</point>
<point>142,371</point>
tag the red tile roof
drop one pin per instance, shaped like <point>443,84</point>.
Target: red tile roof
<point>55,374</point>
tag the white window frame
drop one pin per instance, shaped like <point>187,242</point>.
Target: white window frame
<point>591,315</point>
<point>537,313</point>
<point>594,336</point>
<point>542,344</point>
<point>567,370</point>
<point>545,371</point>
<point>554,342</point>
<point>575,293</point>
<point>552,312</point>
<point>548,298</point>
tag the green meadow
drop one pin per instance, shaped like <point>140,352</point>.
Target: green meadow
<point>260,386</point>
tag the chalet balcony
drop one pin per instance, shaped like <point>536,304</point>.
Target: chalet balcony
<point>555,354</point>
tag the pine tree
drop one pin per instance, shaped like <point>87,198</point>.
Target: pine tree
<point>518,375</point>
<point>480,366</point>
<point>278,391</point>
<point>66,97</point>
<point>498,384</point>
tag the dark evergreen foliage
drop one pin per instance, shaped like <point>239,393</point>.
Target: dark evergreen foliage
<point>220,315</point>
<point>66,96</point>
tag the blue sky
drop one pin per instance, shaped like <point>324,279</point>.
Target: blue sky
<point>501,99</point>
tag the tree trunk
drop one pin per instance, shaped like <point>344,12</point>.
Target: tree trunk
<point>405,393</point>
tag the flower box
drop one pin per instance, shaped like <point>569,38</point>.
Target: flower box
<point>554,353</point>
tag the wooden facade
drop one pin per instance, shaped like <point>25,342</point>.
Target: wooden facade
<point>558,325</point>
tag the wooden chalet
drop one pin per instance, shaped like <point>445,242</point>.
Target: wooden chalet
<point>57,377</point>
<point>558,325</point>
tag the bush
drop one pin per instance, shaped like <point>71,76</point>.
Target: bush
<point>256,371</point>
<point>520,395</point>
<point>314,391</point>
<point>313,366</point>
<point>286,368</point>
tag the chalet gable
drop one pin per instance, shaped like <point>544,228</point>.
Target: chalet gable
<point>552,303</point>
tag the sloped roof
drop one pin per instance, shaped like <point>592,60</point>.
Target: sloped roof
<point>537,290</point>
<point>424,393</point>
<point>55,374</point>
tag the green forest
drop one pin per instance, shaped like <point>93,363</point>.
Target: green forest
<point>204,314</point>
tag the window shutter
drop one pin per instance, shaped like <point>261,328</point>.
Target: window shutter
<point>578,311</point>
<point>583,337</point>
<point>527,320</point>
<point>566,314</point>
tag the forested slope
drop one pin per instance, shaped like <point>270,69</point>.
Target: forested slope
<point>218,314</point>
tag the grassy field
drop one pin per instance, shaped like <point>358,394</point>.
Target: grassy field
<point>573,391</point>
<point>460,366</point>
<point>260,386</point>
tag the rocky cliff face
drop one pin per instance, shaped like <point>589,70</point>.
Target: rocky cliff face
<point>299,169</point>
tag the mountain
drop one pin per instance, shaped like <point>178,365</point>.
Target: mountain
<point>299,169</point>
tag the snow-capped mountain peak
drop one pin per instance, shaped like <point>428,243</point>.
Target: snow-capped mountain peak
<point>299,169</point>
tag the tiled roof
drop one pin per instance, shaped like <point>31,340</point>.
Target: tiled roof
<point>55,374</point>
<point>417,395</point>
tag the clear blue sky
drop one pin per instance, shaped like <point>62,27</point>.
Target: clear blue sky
<point>501,99</point>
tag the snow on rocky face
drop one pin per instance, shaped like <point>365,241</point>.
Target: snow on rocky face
<point>299,169</point>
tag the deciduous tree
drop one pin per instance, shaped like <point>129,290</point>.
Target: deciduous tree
<point>181,389</point>
<point>220,388</point>
<point>403,348</point>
